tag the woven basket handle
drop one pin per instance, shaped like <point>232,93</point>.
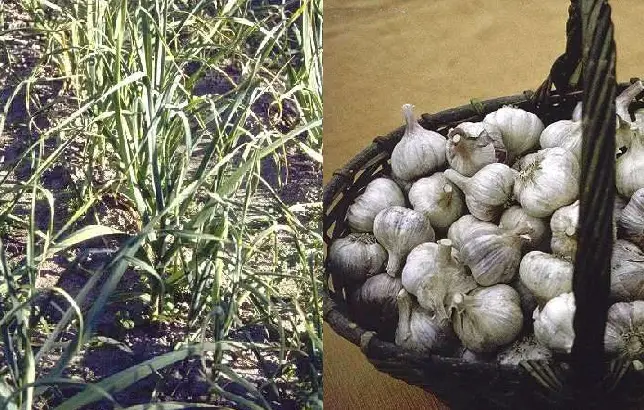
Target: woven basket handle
<point>590,43</point>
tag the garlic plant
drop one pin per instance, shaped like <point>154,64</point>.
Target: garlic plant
<point>631,222</point>
<point>565,134</point>
<point>520,129</point>
<point>515,217</point>
<point>444,277</point>
<point>399,230</point>
<point>548,180</point>
<point>356,257</point>
<point>374,305</point>
<point>468,227</point>
<point>553,325</point>
<point>488,192</point>
<point>473,145</point>
<point>437,198</point>
<point>494,258</point>
<point>627,272</point>
<point>563,225</point>
<point>419,152</point>
<point>419,330</point>
<point>381,193</point>
<point>547,276</point>
<point>625,329</point>
<point>524,349</point>
<point>487,318</point>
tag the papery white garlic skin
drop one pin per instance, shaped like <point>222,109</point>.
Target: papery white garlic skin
<point>515,217</point>
<point>520,129</point>
<point>419,152</point>
<point>553,325</point>
<point>488,317</point>
<point>631,222</point>
<point>381,193</point>
<point>627,272</point>
<point>488,192</point>
<point>527,348</point>
<point>563,225</point>
<point>445,276</point>
<point>473,145</point>
<point>419,330</point>
<point>548,180</point>
<point>399,230</point>
<point>625,329</point>
<point>357,256</point>
<point>424,260</point>
<point>629,168</point>
<point>618,209</point>
<point>493,258</point>
<point>468,227</point>
<point>546,276</point>
<point>565,134</point>
<point>440,200</point>
<point>375,306</point>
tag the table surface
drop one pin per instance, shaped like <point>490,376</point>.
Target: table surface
<point>435,54</point>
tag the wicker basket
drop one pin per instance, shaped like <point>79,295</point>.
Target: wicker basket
<point>585,378</point>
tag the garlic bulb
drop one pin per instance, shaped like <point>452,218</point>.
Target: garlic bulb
<point>488,192</point>
<point>515,217</point>
<point>424,260</point>
<point>527,348</point>
<point>487,318</point>
<point>520,129</point>
<point>381,193</point>
<point>399,230</point>
<point>419,330</point>
<point>437,198</point>
<point>468,227</point>
<point>473,145</point>
<point>627,272</point>
<point>419,152</point>
<point>548,180</point>
<point>629,171</point>
<point>356,257</point>
<point>374,305</point>
<point>565,134</point>
<point>631,222</point>
<point>553,324</point>
<point>564,224</point>
<point>444,277</point>
<point>494,258</point>
<point>625,329</point>
<point>546,276</point>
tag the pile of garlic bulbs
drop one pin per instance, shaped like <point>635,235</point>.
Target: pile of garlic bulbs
<point>467,248</point>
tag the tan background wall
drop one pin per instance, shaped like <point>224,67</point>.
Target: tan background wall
<point>435,54</point>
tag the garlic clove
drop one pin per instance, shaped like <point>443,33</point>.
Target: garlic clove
<point>379,194</point>
<point>565,134</point>
<point>473,145</point>
<point>564,224</point>
<point>419,152</point>
<point>627,272</point>
<point>440,200</point>
<point>374,305</point>
<point>625,329</point>
<point>445,276</point>
<point>488,192</point>
<point>545,275</point>
<point>399,230</point>
<point>548,180</point>
<point>553,325</point>
<point>468,227</point>
<point>515,217</point>
<point>356,257</point>
<point>631,222</point>
<point>419,330</point>
<point>494,258</point>
<point>520,129</point>
<point>487,318</point>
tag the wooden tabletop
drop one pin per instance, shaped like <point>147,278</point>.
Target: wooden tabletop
<point>379,55</point>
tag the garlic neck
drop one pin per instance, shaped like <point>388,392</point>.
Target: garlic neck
<point>457,179</point>
<point>444,256</point>
<point>410,121</point>
<point>404,314</point>
<point>458,302</point>
<point>446,197</point>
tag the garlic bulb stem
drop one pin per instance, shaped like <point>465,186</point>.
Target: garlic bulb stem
<point>404,318</point>
<point>444,251</point>
<point>624,100</point>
